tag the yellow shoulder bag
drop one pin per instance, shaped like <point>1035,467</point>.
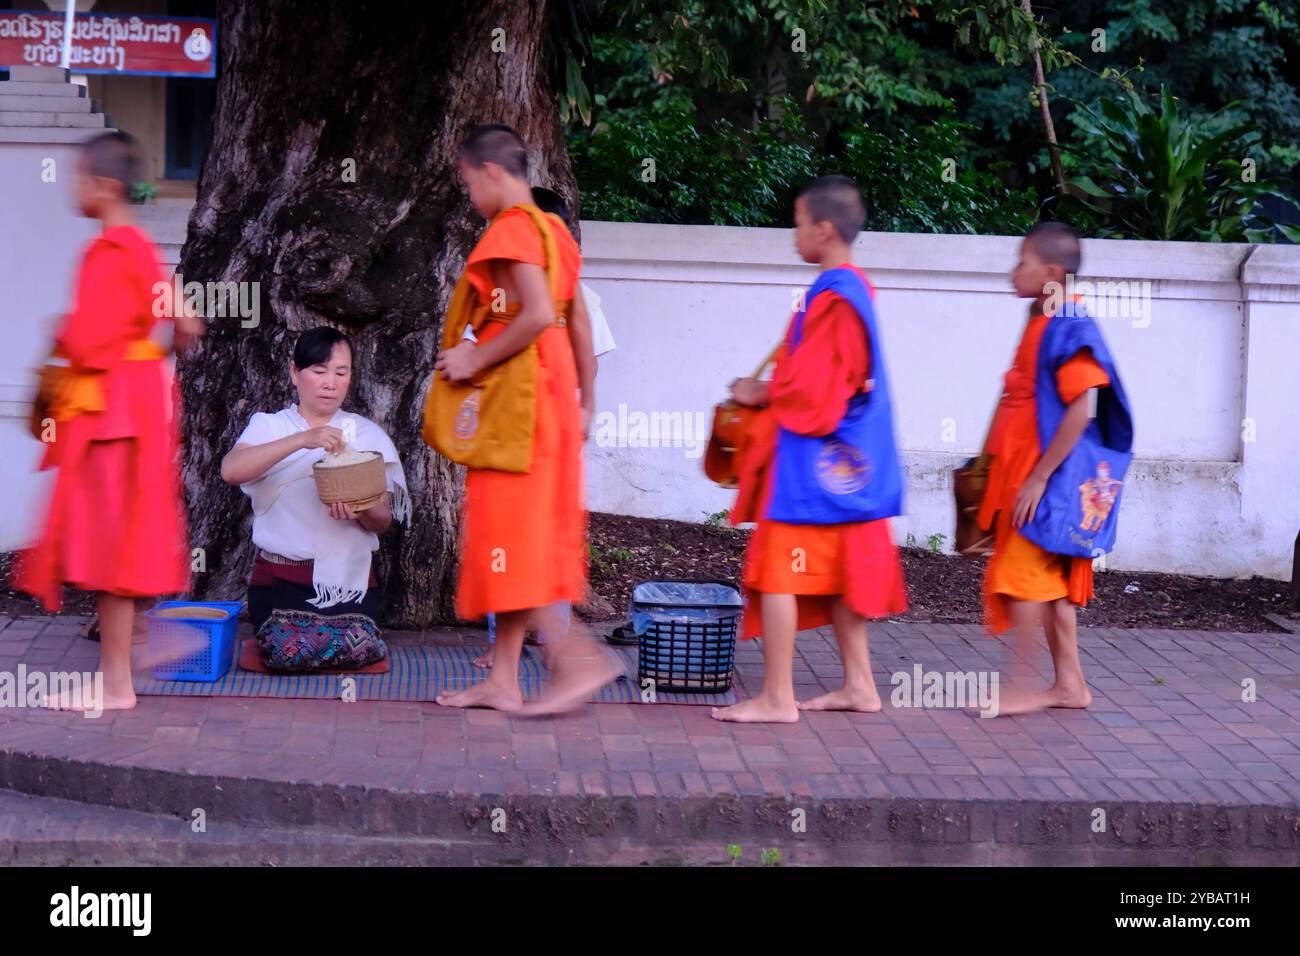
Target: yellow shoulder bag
<point>489,421</point>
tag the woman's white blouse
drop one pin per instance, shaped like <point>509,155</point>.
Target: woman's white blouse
<point>289,527</point>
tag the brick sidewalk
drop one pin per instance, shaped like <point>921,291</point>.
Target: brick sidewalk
<point>1167,729</point>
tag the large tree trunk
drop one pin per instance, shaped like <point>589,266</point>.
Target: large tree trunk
<point>305,87</point>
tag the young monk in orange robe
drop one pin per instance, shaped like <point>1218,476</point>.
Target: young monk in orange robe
<point>805,575</point>
<point>523,535</point>
<point>584,356</point>
<point>115,523</point>
<point>1024,585</point>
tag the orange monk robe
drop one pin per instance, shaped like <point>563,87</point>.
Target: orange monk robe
<point>115,521</point>
<point>809,394</point>
<point>524,535</point>
<point>1018,568</point>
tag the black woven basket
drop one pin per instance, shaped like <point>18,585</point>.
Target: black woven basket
<point>687,645</point>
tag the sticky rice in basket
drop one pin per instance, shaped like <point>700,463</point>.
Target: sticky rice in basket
<point>356,478</point>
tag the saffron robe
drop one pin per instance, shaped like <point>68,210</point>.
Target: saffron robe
<point>1019,569</point>
<point>524,535</point>
<point>809,394</point>
<point>115,521</point>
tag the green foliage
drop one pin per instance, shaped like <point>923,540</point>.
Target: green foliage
<point>605,558</point>
<point>700,174</point>
<point>1208,52</point>
<point>850,58</point>
<point>1002,29</point>
<point>738,104</point>
<point>1159,174</point>
<point>720,175</point>
<point>739,101</point>
<point>719,520</point>
<point>142,192</point>
<point>935,541</point>
<point>923,180</point>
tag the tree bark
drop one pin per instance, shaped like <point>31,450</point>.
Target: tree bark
<point>305,87</point>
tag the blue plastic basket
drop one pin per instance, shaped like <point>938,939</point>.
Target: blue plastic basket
<point>217,637</point>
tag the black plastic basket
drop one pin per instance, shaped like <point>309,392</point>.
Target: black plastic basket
<point>686,634</point>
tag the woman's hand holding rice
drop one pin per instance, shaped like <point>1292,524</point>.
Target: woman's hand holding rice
<point>326,436</point>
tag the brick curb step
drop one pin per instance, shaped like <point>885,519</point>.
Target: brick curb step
<point>45,831</point>
<point>251,820</point>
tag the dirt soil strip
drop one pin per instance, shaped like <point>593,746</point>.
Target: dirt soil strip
<point>940,587</point>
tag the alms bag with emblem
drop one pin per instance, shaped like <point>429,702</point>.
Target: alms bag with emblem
<point>489,421</point>
<point>1079,512</point>
<point>852,474</point>
<point>1078,515</point>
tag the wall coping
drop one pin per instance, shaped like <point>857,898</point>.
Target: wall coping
<point>1171,264</point>
<point>652,250</point>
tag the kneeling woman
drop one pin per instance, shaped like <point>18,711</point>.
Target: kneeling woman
<point>312,596</point>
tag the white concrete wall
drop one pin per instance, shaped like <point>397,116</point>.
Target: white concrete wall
<point>694,306</point>
<point>40,233</point>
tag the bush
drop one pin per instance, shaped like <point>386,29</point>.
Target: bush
<point>917,182</point>
<point>1158,174</point>
<point>659,164</point>
<point>699,175</point>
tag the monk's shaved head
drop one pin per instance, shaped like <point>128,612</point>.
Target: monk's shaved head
<point>496,143</point>
<point>836,199</point>
<point>113,155</point>
<point>1057,244</point>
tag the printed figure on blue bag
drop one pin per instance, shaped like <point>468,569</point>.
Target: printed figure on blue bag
<point>818,472</point>
<point>1056,477</point>
<point>1098,496</point>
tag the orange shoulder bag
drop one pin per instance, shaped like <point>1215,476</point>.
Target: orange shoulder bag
<point>969,484</point>
<point>730,423</point>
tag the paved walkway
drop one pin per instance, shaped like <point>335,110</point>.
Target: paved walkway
<point>1168,734</point>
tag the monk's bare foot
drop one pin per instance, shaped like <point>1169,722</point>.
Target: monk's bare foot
<point>90,703</point>
<point>863,701</point>
<point>485,660</point>
<point>758,710</point>
<point>1062,695</point>
<point>179,646</point>
<point>1013,701</point>
<point>488,693</point>
<point>574,678</point>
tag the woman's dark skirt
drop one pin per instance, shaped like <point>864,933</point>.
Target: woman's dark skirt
<point>295,635</point>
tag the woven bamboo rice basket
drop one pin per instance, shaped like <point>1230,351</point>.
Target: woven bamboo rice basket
<point>359,486</point>
<point>193,611</point>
